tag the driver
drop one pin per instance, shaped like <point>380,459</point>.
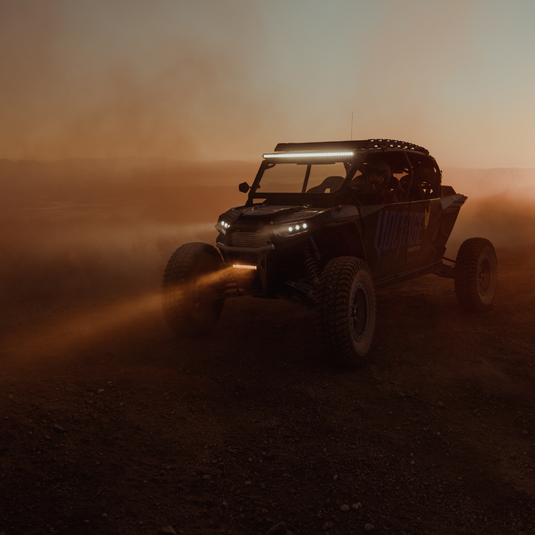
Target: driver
<point>380,186</point>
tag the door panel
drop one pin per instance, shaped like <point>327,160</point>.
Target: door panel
<point>398,237</point>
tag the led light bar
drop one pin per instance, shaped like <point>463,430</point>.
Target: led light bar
<point>243,266</point>
<point>310,154</point>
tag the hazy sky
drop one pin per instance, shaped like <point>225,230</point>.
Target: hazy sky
<point>228,79</point>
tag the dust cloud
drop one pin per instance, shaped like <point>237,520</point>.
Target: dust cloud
<point>124,78</point>
<point>84,242</point>
<point>84,235</point>
<point>500,206</point>
<point>54,335</point>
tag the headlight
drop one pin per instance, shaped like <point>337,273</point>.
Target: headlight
<point>222,226</point>
<point>292,229</point>
<point>297,228</point>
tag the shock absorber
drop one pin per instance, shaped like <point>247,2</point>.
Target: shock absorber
<point>311,264</point>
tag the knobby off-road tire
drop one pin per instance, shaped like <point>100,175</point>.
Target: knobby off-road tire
<point>476,274</point>
<point>189,301</point>
<point>346,311</point>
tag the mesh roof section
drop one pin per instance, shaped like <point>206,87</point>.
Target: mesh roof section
<point>359,145</point>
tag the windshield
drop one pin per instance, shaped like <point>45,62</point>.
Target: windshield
<point>302,177</point>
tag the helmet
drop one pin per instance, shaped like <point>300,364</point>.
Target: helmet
<point>378,167</point>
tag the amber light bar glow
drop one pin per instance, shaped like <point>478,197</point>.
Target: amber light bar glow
<point>243,266</point>
<point>310,154</point>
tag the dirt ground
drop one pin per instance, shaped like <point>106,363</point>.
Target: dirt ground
<point>111,424</point>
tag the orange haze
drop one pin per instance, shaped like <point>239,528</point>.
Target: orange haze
<point>98,233</point>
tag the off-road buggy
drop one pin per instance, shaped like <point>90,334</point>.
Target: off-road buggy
<point>315,230</point>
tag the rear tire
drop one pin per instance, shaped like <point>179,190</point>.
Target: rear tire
<point>189,289</point>
<point>476,274</point>
<point>346,311</point>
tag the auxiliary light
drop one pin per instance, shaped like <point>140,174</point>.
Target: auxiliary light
<point>244,266</point>
<point>310,154</point>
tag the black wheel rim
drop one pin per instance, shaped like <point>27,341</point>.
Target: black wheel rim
<point>359,311</point>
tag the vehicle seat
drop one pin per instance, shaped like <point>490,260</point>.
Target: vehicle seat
<point>428,180</point>
<point>331,183</point>
<point>416,192</point>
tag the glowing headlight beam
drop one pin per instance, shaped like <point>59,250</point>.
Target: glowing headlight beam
<point>311,154</point>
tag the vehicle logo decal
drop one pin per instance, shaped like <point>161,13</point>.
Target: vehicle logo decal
<point>397,229</point>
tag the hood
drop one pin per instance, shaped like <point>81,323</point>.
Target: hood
<point>269,212</point>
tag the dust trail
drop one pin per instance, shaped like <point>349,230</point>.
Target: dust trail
<point>69,263</point>
<point>208,286</point>
<point>68,332</point>
<point>505,220</point>
<point>67,246</point>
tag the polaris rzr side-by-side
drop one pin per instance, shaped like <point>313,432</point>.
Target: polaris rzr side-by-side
<point>324,225</point>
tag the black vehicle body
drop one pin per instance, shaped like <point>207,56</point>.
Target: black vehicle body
<point>324,225</point>
<point>398,241</point>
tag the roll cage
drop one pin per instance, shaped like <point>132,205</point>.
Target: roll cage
<point>411,164</point>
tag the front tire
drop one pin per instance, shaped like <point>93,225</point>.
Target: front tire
<point>476,274</point>
<point>346,311</point>
<point>189,297</point>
